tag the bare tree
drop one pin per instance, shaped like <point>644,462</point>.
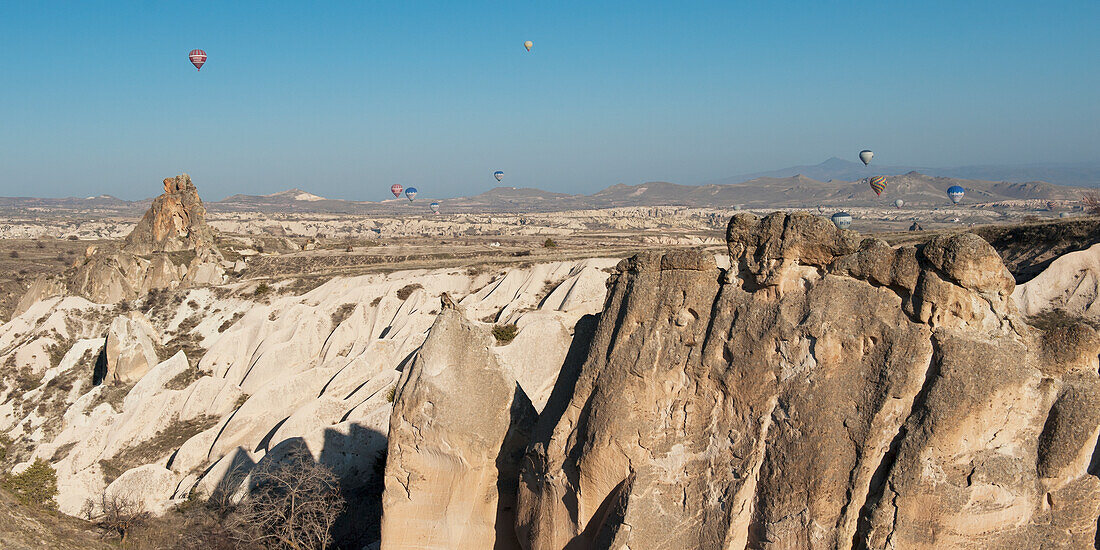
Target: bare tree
<point>1091,200</point>
<point>293,504</point>
<point>121,514</point>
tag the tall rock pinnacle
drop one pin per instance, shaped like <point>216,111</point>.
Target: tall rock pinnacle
<point>175,221</point>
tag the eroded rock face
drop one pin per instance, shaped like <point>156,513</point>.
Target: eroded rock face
<point>41,289</point>
<point>459,426</point>
<point>1071,282</point>
<point>826,392</point>
<point>175,221</point>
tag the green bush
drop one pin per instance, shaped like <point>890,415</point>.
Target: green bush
<point>35,486</point>
<point>5,442</point>
<point>262,289</point>
<point>549,243</point>
<point>505,333</point>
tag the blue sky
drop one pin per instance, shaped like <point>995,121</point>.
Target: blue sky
<point>345,99</point>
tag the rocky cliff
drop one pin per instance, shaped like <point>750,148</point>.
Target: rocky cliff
<point>825,392</point>
<point>175,221</point>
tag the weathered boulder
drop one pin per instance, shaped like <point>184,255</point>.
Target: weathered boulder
<point>824,393</point>
<point>130,349</point>
<point>459,426</point>
<point>205,269</point>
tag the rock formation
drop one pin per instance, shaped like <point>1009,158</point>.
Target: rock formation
<point>826,392</point>
<point>175,221</point>
<point>130,348</point>
<point>1071,282</point>
<point>43,287</point>
<point>459,428</point>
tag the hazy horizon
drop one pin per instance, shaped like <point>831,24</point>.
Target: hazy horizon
<point>343,100</point>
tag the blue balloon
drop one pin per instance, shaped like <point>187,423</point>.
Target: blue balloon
<point>499,175</point>
<point>956,193</point>
<point>842,220</point>
<point>435,207</point>
<point>411,193</point>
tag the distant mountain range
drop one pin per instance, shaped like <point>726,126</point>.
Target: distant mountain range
<point>1084,174</point>
<point>835,183</point>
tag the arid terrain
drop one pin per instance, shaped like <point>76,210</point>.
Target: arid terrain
<point>603,375</point>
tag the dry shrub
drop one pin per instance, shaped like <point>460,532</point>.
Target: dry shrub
<point>5,443</point>
<point>294,503</point>
<point>341,314</point>
<point>231,321</point>
<point>261,290</point>
<point>407,291</point>
<point>1091,200</point>
<point>121,515</point>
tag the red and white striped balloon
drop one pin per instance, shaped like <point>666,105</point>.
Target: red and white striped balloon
<point>198,57</point>
<point>396,190</point>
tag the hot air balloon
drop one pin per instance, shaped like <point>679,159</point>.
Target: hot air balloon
<point>899,203</point>
<point>499,175</point>
<point>956,193</point>
<point>865,155</point>
<point>842,220</point>
<point>410,193</point>
<point>198,57</point>
<point>528,45</point>
<point>878,184</point>
<point>396,190</point>
<point>435,207</point>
